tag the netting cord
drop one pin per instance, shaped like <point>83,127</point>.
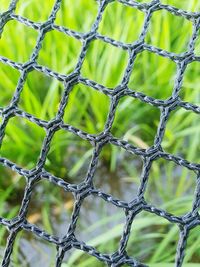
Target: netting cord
<point>86,188</point>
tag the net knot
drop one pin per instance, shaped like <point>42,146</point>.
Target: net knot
<point>54,124</point>
<point>28,66</point>
<point>15,223</point>
<point>66,242</point>
<point>90,36</point>
<point>136,204</point>
<point>119,91</point>
<point>9,111</point>
<point>154,151</point>
<point>103,138</point>
<point>117,259</point>
<point>153,5</point>
<point>83,190</point>
<point>72,78</point>
<point>136,47</point>
<point>191,220</point>
<point>46,26</point>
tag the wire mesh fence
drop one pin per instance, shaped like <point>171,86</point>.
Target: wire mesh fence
<point>149,155</point>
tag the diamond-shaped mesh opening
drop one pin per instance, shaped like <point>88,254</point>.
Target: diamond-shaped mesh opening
<point>147,231</point>
<point>193,6</point>
<point>72,156</point>
<point>118,173</point>
<point>26,150</point>
<point>29,250</point>
<point>51,53</point>
<point>87,109</point>
<point>8,82</point>
<point>171,32</point>
<point>171,187</point>
<point>190,92</point>
<point>69,14</point>
<point>142,119</point>
<point>104,63</point>
<point>181,132</point>
<point>11,44</point>
<point>41,95</point>
<point>155,79</point>
<point>122,23</point>
<point>11,192</point>
<point>50,208</point>
<point>32,9</point>
<point>106,226</point>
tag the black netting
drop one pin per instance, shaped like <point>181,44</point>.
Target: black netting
<point>82,190</point>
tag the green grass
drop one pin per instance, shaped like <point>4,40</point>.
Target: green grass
<point>170,187</point>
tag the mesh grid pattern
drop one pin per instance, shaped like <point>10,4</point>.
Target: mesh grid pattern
<point>85,188</point>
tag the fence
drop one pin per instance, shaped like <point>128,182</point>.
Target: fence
<point>82,190</point>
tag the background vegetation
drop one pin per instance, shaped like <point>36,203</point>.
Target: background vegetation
<point>170,186</point>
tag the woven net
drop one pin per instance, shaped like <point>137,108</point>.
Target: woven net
<point>86,188</point>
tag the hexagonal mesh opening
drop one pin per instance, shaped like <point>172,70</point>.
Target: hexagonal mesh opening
<point>171,187</point>
<point>51,53</point>
<point>12,189</point>
<point>192,248</point>
<point>32,9</point>
<point>193,6</point>
<point>118,173</point>
<point>4,5</point>
<point>190,92</point>
<point>122,23</point>
<point>8,83</point>
<point>135,122</point>
<point>104,63</point>
<point>31,250</point>
<point>156,234</point>
<point>106,227</point>
<point>21,137</point>
<point>41,95</point>
<point>155,79</point>
<point>51,212</point>
<point>87,109</point>
<point>69,14</point>
<point>11,44</point>
<point>69,157</point>
<point>169,32</point>
<point>3,238</point>
<point>181,132</point>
